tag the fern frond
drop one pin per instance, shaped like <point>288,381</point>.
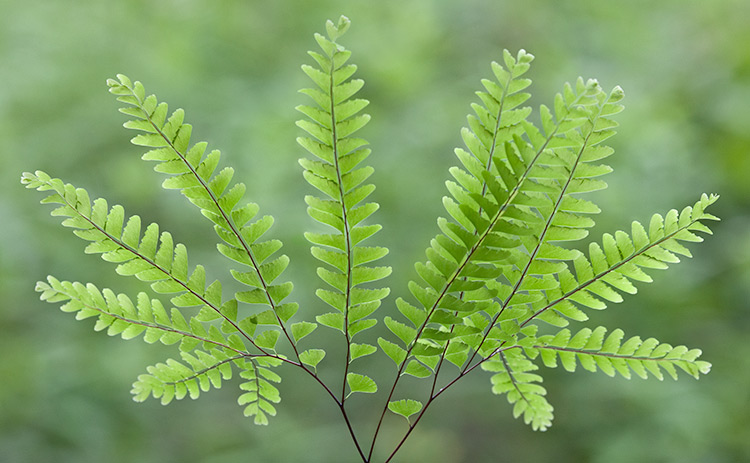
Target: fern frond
<point>561,172</point>
<point>260,393</point>
<point>176,380</point>
<point>119,315</point>
<point>148,255</point>
<point>492,218</point>
<point>193,173</point>
<point>337,172</point>
<point>498,265</point>
<point>622,259</point>
<point>611,355</point>
<point>514,378</point>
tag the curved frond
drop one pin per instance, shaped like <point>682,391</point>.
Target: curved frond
<point>514,378</point>
<point>199,372</point>
<point>337,172</point>
<point>148,255</point>
<point>193,172</point>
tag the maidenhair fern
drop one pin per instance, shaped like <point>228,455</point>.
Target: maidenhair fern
<point>501,264</point>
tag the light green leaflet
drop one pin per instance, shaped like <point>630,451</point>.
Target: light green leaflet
<point>502,264</point>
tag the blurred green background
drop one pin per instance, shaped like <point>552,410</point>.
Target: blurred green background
<point>234,67</point>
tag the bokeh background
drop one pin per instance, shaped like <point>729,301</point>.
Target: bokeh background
<point>234,67</point>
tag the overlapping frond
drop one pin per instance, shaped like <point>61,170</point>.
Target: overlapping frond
<point>207,352</point>
<point>492,218</point>
<point>193,172</point>
<point>337,172</point>
<point>148,255</point>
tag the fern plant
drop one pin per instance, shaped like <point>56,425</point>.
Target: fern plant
<point>500,283</point>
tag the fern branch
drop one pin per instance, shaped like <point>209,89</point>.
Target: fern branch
<point>336,174</point>
<point>622,260</point>
<point>476,243</point>
<point>489,227</point>
<point>590,131</point>
<point>194,177</point>
<point>165,265</point>
<point>88,301</point>
<point>591,349</point>
<point>345,218</point>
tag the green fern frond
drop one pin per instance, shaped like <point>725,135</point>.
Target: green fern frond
<point>119,315</point>
<point>176,380</point>
<point>621,260</point>
<point>148,255</point>
<point>612,355</point>
<point>260,393</point>
<point>338,173</point>
<point>514,378</point>
<point>192,171</point>
<point>504,260</point>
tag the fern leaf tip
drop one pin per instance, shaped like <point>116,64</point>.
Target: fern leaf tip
<point>524,57</point>
<point>335,31</point>
<point>26,178</point>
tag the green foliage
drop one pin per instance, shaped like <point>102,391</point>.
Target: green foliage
<point>337,172</point>
<point>502,267</point>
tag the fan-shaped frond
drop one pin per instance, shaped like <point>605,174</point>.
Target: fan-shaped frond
<point>501,263</point>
